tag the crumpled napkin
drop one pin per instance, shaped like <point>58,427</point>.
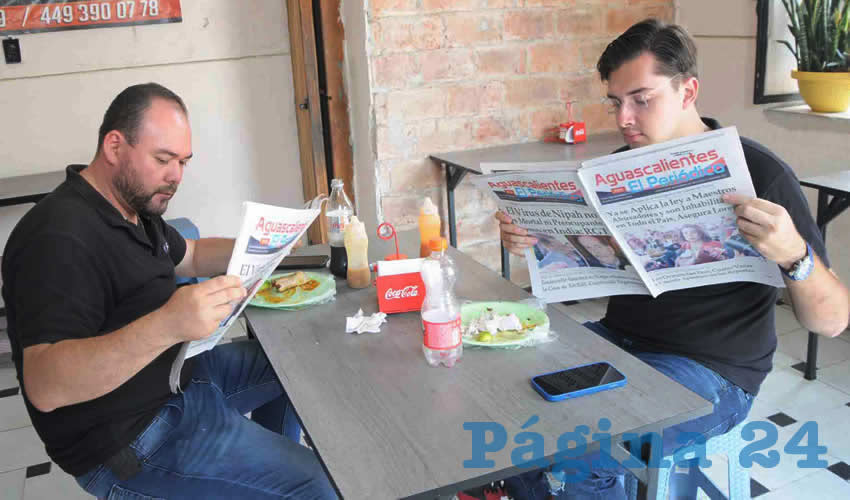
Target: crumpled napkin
<point>359,323</point>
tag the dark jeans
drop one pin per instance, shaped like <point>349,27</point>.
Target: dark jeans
<point>731,406</point>
<point>201,446</point>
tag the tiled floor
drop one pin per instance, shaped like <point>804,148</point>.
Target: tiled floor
<point>785,399</point>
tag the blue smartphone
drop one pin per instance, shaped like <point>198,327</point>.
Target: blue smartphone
<point>578,381</point>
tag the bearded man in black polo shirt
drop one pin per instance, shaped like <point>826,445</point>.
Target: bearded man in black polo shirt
<point>95,321</point>
<point>717,340</point>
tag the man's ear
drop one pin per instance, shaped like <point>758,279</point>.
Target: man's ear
<point>113,141</point>
<point>691,88</point>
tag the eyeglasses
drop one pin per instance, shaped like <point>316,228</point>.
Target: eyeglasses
<point>637,102</point>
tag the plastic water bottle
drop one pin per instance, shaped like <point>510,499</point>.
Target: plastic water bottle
<point>338,214</point>
<point>440,311</point>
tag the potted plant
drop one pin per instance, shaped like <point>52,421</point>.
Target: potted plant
<point>821,30</point>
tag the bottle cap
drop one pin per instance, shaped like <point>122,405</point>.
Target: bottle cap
<point>438,244</point>
<point>354,229</point>
<point>335,183</point>
<point>428,207</point>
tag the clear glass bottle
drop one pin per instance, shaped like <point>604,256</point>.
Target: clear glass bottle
<point>338,213</point>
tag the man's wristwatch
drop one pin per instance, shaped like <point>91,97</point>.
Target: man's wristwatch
<point>801,269</point>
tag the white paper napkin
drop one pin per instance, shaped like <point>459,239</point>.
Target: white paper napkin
<point>359,323</point>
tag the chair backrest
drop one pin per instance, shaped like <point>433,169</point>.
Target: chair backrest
<point>188,230</point>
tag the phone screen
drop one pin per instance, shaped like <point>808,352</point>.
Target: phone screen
<point>578,379</point>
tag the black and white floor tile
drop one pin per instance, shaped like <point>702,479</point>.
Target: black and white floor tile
<point>786,400</point>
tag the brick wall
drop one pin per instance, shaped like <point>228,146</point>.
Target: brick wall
<point>450,75</point>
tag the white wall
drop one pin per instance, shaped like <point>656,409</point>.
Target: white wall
<point>228,60</point>
<point>725,32</point>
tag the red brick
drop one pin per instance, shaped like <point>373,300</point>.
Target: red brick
<point>467,29</point>
<point>618,20</point>
<point>396,140</point>
<point>500,61</point>
<point>381,7</point>
<point>463,100</point>
<point>415,175</point>
<point>417,104</point>
<point>582,88</point>
<point>447,134</point>
<point>397,70</point>
<point>573,23</point>
<point>447,64</point>
<point>560,57</point>
<point>401,211</point>
<point>661,3</point>
<point>493,96</point>
<point>529,25</point>
<point>489,130</point>
<point>472,230</point>
<point>531,92</point>
<point>443,5</point>
<point>596,117</point>
<point>402,33</point>
<point>546,119</point>
<point>550,3</point>
<point>591,51</point>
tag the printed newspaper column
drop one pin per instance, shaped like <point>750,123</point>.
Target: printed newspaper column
<point>575,256</point>
<point>664,202</point>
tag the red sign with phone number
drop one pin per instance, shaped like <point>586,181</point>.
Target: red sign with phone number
<point>34,16</point>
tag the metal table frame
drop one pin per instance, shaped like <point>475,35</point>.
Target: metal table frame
<point>832,201</point>
<point>458,164</point>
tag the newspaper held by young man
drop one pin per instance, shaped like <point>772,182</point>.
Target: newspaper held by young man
<point>267,235</point>
<point>643,221</point>
<point>574,257</point>
<point>664,204</point>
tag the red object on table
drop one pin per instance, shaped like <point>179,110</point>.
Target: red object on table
<point>399,293</point>
<point>570,132</point>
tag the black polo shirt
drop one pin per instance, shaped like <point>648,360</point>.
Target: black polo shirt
<point>729,327</point>
<point>75,268</point>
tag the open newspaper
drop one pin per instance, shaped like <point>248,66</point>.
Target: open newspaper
<point>267,235</point>
<point>644,221</point>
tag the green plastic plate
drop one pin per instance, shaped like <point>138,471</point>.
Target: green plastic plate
<point>530,317</point>
<point>299,299</point>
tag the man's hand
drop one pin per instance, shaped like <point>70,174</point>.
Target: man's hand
<point>515,238</point>
<point>195,311</point>
<point>769,228</point>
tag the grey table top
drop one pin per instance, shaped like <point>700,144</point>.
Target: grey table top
<point>386,425</point>
<point>836,182</point>
<point>30,185</point>
<point>533,152</point>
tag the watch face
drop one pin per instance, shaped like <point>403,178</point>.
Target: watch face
<point>803,267</point>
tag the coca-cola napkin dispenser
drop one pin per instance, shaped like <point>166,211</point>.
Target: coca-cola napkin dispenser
<point>400,287</point>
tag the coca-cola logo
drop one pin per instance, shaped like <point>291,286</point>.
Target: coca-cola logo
<point>401,293</point>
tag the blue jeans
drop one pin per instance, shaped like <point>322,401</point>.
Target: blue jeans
<point>200,445</point>
<point>731,406</point>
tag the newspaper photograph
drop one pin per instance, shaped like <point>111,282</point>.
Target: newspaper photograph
<point>267,235</point>
<point>575,256</point>
<point>664,204</point>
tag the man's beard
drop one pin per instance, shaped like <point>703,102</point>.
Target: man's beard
<point>130,188</point>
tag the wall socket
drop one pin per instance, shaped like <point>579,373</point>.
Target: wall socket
<point>12,50</point>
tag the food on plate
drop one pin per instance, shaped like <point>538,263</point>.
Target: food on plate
<point>503,324</point>
<point>290,281</point>
<point>493,323</point>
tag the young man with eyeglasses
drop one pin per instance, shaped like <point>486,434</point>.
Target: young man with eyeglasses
<point>717,340</point>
